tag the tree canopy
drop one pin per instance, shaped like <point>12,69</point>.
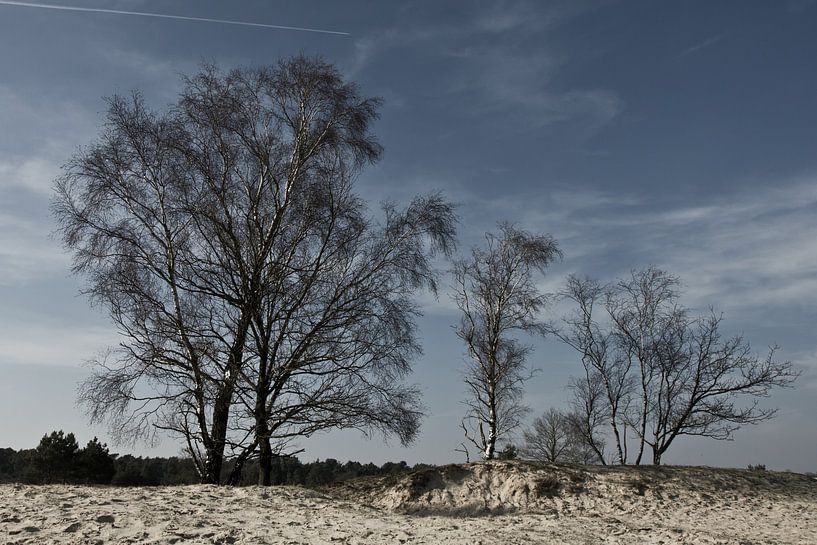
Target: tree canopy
<point>256,298</point>
<point>654,369</point>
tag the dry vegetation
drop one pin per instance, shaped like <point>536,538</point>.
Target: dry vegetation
<point>494,502</point>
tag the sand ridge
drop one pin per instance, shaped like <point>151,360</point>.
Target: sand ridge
<point>496,503</point>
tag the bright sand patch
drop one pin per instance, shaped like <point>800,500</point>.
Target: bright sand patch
<point>496,503</point>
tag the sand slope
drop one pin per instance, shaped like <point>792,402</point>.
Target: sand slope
<point>496,503</point>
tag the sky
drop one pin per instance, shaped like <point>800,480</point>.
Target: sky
<point>676,134</point>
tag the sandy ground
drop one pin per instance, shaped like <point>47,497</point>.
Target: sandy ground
<point>497,503</point>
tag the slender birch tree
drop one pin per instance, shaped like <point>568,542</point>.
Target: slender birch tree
<point>496,292</point>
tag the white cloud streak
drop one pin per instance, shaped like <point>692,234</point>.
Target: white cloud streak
<point>516,86</point>
<point>748,252</point>
<point>168,16</point>
<point>709,42</point>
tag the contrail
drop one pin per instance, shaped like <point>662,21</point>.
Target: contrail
<point>166,16</point>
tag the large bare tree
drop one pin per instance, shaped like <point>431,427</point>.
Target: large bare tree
<point>216,233</point>
<point>496,292</point>
<point>661,371</point>
<point>337,332</point>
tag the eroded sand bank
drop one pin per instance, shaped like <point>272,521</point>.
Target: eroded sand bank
<point>497,503</point>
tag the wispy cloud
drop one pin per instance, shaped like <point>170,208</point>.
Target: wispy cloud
<point>34,174</point>
<point>167,16</point>
<point>750,253</point>
<point>741,252</point>
<point>753,252</point>
<point>515,15</point>
<point>43,137</point>
<point>26,251</point>
<point>49,125</point>
<point>39,341</point>
<point>745,253</point>
<point>517,86</point>
<point>497,62</point>
<point>709,42</point>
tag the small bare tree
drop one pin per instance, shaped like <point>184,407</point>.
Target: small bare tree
<point>558,436</point>
<point>588,417</point>
<point>496,293</point>
<point>661,372</point>
<point>549,438</point>
<point>585,449</point>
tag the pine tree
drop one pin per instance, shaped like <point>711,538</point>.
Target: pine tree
<point>54,459</point>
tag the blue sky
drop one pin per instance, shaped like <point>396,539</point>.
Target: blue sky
<point>678,134</point>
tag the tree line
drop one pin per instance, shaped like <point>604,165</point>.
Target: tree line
<point>58,459</point>
<point>259,300</point>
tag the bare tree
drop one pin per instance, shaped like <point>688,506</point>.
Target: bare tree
<point>549,438</point>
<point>701,378</point>
<point>606,375</point>
<point>464,450</point>
<point>588,419</point>
<point>663,372</point>
<point>204,228</point>
<point>642,308</point>
<point>337,332</point>
<point>496,293</point>
<point>584,448</point>
<point>558,436</point>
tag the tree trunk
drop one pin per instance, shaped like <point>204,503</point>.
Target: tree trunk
<point>658,451</point>
<point>643,434</point>
<point>613,398</point>
<point>221,407</point>
<point>596,449</point>
<point>490,443</point>
<point>489,449</point>
<point>264,462</point>
<point>238,467</point>
<point>626,452</point>
<point>262,431</point>
<point>212,468</point>
<point>218,438</point>
<point>621,456</point>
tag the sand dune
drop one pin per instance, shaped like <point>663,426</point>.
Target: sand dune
<point>496,503</point>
